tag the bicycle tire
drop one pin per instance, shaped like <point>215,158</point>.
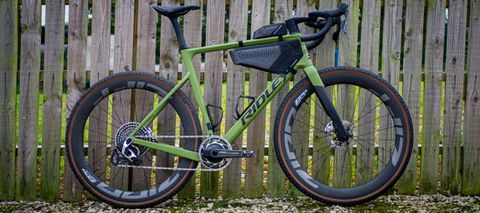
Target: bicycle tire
<point>325,190</point>
<point>76,127</point>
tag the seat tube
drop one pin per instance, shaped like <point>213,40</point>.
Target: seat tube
<point>187,57</point>
<point>326,102</point>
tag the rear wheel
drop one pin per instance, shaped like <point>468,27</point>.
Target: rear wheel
<point>344,172</point>
<point>102,120</point>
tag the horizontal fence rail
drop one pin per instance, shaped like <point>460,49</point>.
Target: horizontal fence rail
<point>428,50</point>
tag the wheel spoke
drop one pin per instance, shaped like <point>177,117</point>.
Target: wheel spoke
<point>363,127</point>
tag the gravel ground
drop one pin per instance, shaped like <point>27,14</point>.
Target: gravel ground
<point>392,203</point>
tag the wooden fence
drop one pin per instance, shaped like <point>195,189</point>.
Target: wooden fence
<point>429,50</point>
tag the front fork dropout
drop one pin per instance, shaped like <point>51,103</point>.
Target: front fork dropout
<point>314,77</point>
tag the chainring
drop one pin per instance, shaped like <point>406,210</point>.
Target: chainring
<point>217,143</point>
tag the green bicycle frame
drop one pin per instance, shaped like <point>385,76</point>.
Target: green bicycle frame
<point>250,113</point>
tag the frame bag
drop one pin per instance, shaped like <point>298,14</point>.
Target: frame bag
<point>277,57</point>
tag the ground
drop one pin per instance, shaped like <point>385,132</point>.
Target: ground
<point>391,203</point>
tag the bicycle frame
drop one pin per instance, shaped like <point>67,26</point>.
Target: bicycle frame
<point>250,113</point>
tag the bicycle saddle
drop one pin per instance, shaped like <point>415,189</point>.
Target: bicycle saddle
<point>175,11</point>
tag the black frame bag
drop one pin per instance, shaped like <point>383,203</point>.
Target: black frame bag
<point>277,58</point>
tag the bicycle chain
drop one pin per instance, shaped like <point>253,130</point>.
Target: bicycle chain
<point>170,168</point>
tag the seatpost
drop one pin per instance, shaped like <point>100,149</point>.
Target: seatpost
<point>181,40</point>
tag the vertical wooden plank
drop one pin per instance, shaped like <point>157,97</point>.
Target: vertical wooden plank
<point>326,58</point>
<point>123,58</point>
<point>369,56</point>
<point>29,80</point>
<point>300,135</point>
<point>471,146</point>
<point>235,87</point>
<point>347,50</point>
<point>52,106</point>
<point>412,70</point>
<point>8,84</point>
<point>213,80</point>
<point>276,179</point>
<point>100,61</point>
<point>256,130</point>
<point>76,64</point>
<point>168,70</point>
<point>347,43</point>
<point>433,93</point>
<point>193,37</point>
<point>455,70</point>
<point>145,61</point>
<point>392,29</point>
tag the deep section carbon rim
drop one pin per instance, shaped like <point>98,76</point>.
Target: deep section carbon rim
<point>102,120</point>
<point>350,171</point>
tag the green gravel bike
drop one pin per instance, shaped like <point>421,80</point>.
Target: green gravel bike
<point>342,135</point>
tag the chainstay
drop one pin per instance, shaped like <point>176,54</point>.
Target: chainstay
<point>172,168</point>
<point>174,136</point>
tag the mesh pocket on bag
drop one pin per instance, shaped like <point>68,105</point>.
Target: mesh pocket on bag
<point>276,58</point>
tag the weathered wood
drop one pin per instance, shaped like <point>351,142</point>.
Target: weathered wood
<point>256,130</point>
<point>390,66</point>
<point>321,157</point>
<point>412,70</point>
<point>411,87</point>
<point>8,84</point>
<point>100,59</point>
<point>432,97</point>
<point>301,130</point>
<point>77,40</point>
<point>144,61</point>
<point>455,68</point>
<point>168,69</point>
<point>347,55</point>
<point>276,179</point>
<point>213,80</point>
<point>235,87</point>
<point>52,106</point>
<point>471,146</point>
<point>369,56</point>
<point>123,61</point>
<point>193,37</point>
<point>29,80</point>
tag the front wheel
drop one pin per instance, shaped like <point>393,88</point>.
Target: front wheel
<point>344,172</point>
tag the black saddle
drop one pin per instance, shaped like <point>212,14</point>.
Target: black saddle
<point>175,11</point>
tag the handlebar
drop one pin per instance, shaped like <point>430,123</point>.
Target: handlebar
<point>330,19</point>
<point>341,10</point>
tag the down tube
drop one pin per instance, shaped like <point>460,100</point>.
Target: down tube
<point>258,106</point>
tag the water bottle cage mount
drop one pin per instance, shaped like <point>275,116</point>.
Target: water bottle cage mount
<point>214,126</point>
<point>238,114</point>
